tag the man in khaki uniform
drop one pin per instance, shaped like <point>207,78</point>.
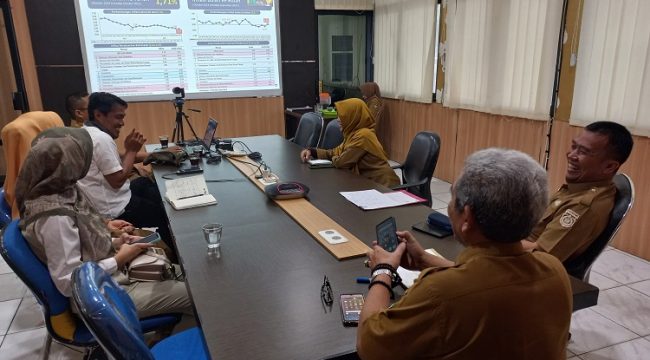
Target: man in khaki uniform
<point>498,301</point>
<point>76,104</point>
<point>580,209</point>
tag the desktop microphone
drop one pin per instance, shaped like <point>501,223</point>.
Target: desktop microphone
<point>286,190</point>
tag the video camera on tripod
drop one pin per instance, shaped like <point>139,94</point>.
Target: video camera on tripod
<point>180,95</point>
<point>178,136</point>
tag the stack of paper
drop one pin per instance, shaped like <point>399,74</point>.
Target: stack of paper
<point>188,192</point>
<point>373,199</point>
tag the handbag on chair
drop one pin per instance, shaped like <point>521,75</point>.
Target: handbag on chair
<point>153,265</point>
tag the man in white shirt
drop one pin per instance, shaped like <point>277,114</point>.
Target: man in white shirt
<point>107,183</point>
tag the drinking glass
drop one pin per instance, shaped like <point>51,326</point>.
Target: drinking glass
<point>194,160</point>
<point>164,141</point>
<point>212,233</point>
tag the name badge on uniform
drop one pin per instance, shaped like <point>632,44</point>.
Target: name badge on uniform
<point>569,218</point>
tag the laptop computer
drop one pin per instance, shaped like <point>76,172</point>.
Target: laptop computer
<point>206,142</point>
<point>210,131</point>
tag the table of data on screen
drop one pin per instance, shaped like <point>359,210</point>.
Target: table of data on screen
<point>147,47</point>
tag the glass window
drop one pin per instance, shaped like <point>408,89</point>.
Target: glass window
<point>343,48</point>
<point>342,63</point>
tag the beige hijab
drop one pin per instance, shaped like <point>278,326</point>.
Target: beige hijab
<point>47,186</point>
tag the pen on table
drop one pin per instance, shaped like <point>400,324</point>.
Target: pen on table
<point>189,197</point>
<point>363,280</point>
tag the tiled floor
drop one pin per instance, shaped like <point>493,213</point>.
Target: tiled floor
<point>617,328</point>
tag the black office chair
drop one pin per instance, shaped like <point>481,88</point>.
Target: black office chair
<point>309,130</point>
<point>332,136</point>
<point>420,163</point>
<point>580,266</point>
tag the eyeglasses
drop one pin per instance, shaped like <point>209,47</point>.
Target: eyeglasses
<point>326,292</point>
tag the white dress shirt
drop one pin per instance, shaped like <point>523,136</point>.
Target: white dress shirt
<point>108,201</point>
<point>60,239</point>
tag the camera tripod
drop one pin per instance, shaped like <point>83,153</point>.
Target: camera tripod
<point>178,136</point>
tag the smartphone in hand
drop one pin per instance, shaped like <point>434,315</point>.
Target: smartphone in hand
<point>386,234</point>
<point>351,305</point>
<point>149,239</point>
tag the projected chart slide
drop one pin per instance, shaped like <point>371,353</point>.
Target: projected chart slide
<point>141,49</point>
<point>112,27</point>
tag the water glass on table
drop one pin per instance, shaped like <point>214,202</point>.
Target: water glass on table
<point>195,159</point>
<point>164,141</point>
<point>212,233</point>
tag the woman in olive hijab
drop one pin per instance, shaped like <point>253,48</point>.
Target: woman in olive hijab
<point>360,151</point>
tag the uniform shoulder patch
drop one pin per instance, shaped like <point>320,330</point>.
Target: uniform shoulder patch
<point>569,218</point>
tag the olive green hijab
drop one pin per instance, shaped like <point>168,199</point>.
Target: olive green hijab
<point>357,125</point>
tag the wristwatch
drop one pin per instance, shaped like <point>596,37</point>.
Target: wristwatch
<point>382,271</point>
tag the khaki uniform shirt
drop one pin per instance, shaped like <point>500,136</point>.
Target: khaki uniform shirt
<point>576,215</point>
<point>76,123</point>
<point>376,106</point>
<point>497,302</point>
<point>362,163</point>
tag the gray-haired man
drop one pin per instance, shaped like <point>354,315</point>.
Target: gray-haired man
<point>498,300</point>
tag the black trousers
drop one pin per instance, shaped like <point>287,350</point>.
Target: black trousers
<point>145,209</point>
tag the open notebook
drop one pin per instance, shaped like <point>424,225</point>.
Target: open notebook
<point>188,192</point>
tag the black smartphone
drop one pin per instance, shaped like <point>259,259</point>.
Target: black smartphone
<point>386,234</point>
<point>351,305</point>
<point>149,239</point>
<point>431,229</point>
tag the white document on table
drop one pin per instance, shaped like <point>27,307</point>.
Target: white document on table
<point>319,162</point>
<point>409,276</point>
<point>188,192</point>
<point>373,199</point>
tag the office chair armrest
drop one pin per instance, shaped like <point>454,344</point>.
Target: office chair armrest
<point>408,185</point>
<point>401,187</point>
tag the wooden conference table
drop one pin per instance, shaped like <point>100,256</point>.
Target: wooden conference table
<point>261,299</point>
